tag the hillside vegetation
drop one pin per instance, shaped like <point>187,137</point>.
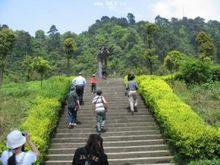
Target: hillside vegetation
<point>138,46</point>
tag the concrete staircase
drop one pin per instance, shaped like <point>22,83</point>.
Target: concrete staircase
<point>129,139</point>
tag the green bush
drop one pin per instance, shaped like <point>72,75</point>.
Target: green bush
<point>185,130</point>
<point>173,60</point>
<point>216,72</point>
<point>196,71</point>
<point>205,162</point>
<point>44,113</point>
<point>42,120</point>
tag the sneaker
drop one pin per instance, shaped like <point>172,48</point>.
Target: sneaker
<point>103,130</point>
<point>135,109</point>
<point>78,122</point>
<point>74,124</point>
<point>70,126</point>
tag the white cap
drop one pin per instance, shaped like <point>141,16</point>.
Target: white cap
<point>15,139</point>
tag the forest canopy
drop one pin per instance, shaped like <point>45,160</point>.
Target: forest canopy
<point>139,46</point>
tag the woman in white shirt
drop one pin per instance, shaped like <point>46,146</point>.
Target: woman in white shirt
<point>16,154</point>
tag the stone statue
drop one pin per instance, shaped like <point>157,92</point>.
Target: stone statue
<point>104,52</point>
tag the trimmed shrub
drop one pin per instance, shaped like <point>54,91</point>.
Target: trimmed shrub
<point>44,112</point>
<point>42,120</point>
<point>186,131</point>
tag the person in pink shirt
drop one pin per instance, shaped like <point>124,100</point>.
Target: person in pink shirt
<point>93,82</point>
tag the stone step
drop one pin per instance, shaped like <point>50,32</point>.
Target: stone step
<point>113,115</point>
<point>125,161</point>
<point>116,155</point>
<point>148,160</point>
<point>112,102</point>
<point>119,108</point>
<point>123,117</point>
<point>113,129</point>
<point>111,143</point>
<point>113,120</point>
<point>112,96</point>
<point>107,138</point>
<point>156,164</point>
<point>107,125</point>
<point>113,149</point>
<point>121,133</point>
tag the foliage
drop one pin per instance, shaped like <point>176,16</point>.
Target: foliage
<point>205,162</point>
<point>206,46</point>
<point>131,18</point>
<point>40,115</point>
<point>196,71</point>
<point>41,66</point>
<point>186,131</point>
<point>129,39</point>
<point>216,72</point>
<point>150,48</point>
<point>7,38</point>
<point>173,60</point>
<point>27,64</point>
<point>69,48</point>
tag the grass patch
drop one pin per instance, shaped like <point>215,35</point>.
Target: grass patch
<point>204,99</point>
<point>32,109</point>
<point>15,101</point>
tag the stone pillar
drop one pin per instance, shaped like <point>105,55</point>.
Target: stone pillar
<point>99,68</point>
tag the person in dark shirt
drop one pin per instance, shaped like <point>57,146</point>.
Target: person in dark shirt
<point>73,106</point>
<point>92,153</point>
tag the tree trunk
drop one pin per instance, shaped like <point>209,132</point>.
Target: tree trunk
<point>150,60</point>
<point>68,66</point>
<point>1,75</point>
<point>151,67</point>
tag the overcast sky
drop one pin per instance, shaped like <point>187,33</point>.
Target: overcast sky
<point>78,15</point>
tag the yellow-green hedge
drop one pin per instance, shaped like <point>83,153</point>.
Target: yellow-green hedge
<point>45,113</point>
<point>186,131</point>
<point>45,109</point>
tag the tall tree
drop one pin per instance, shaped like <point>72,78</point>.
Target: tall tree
<point>161,22</point>
<point>7,38</point>
<point>173,60</point>
<point>206,46</point>
<point>150,48</point>
<point>22,45</point>
<point>28,65</point>
<point>69,48</point>
<point>39,43</point>
<point>41,66</point>
<point>54,39</point>
<point>131,18</point>
<point>40,35</point>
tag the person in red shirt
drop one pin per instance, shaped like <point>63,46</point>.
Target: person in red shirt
<point>93,82</point>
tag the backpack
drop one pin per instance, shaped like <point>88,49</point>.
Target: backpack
<point>72,99</point>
